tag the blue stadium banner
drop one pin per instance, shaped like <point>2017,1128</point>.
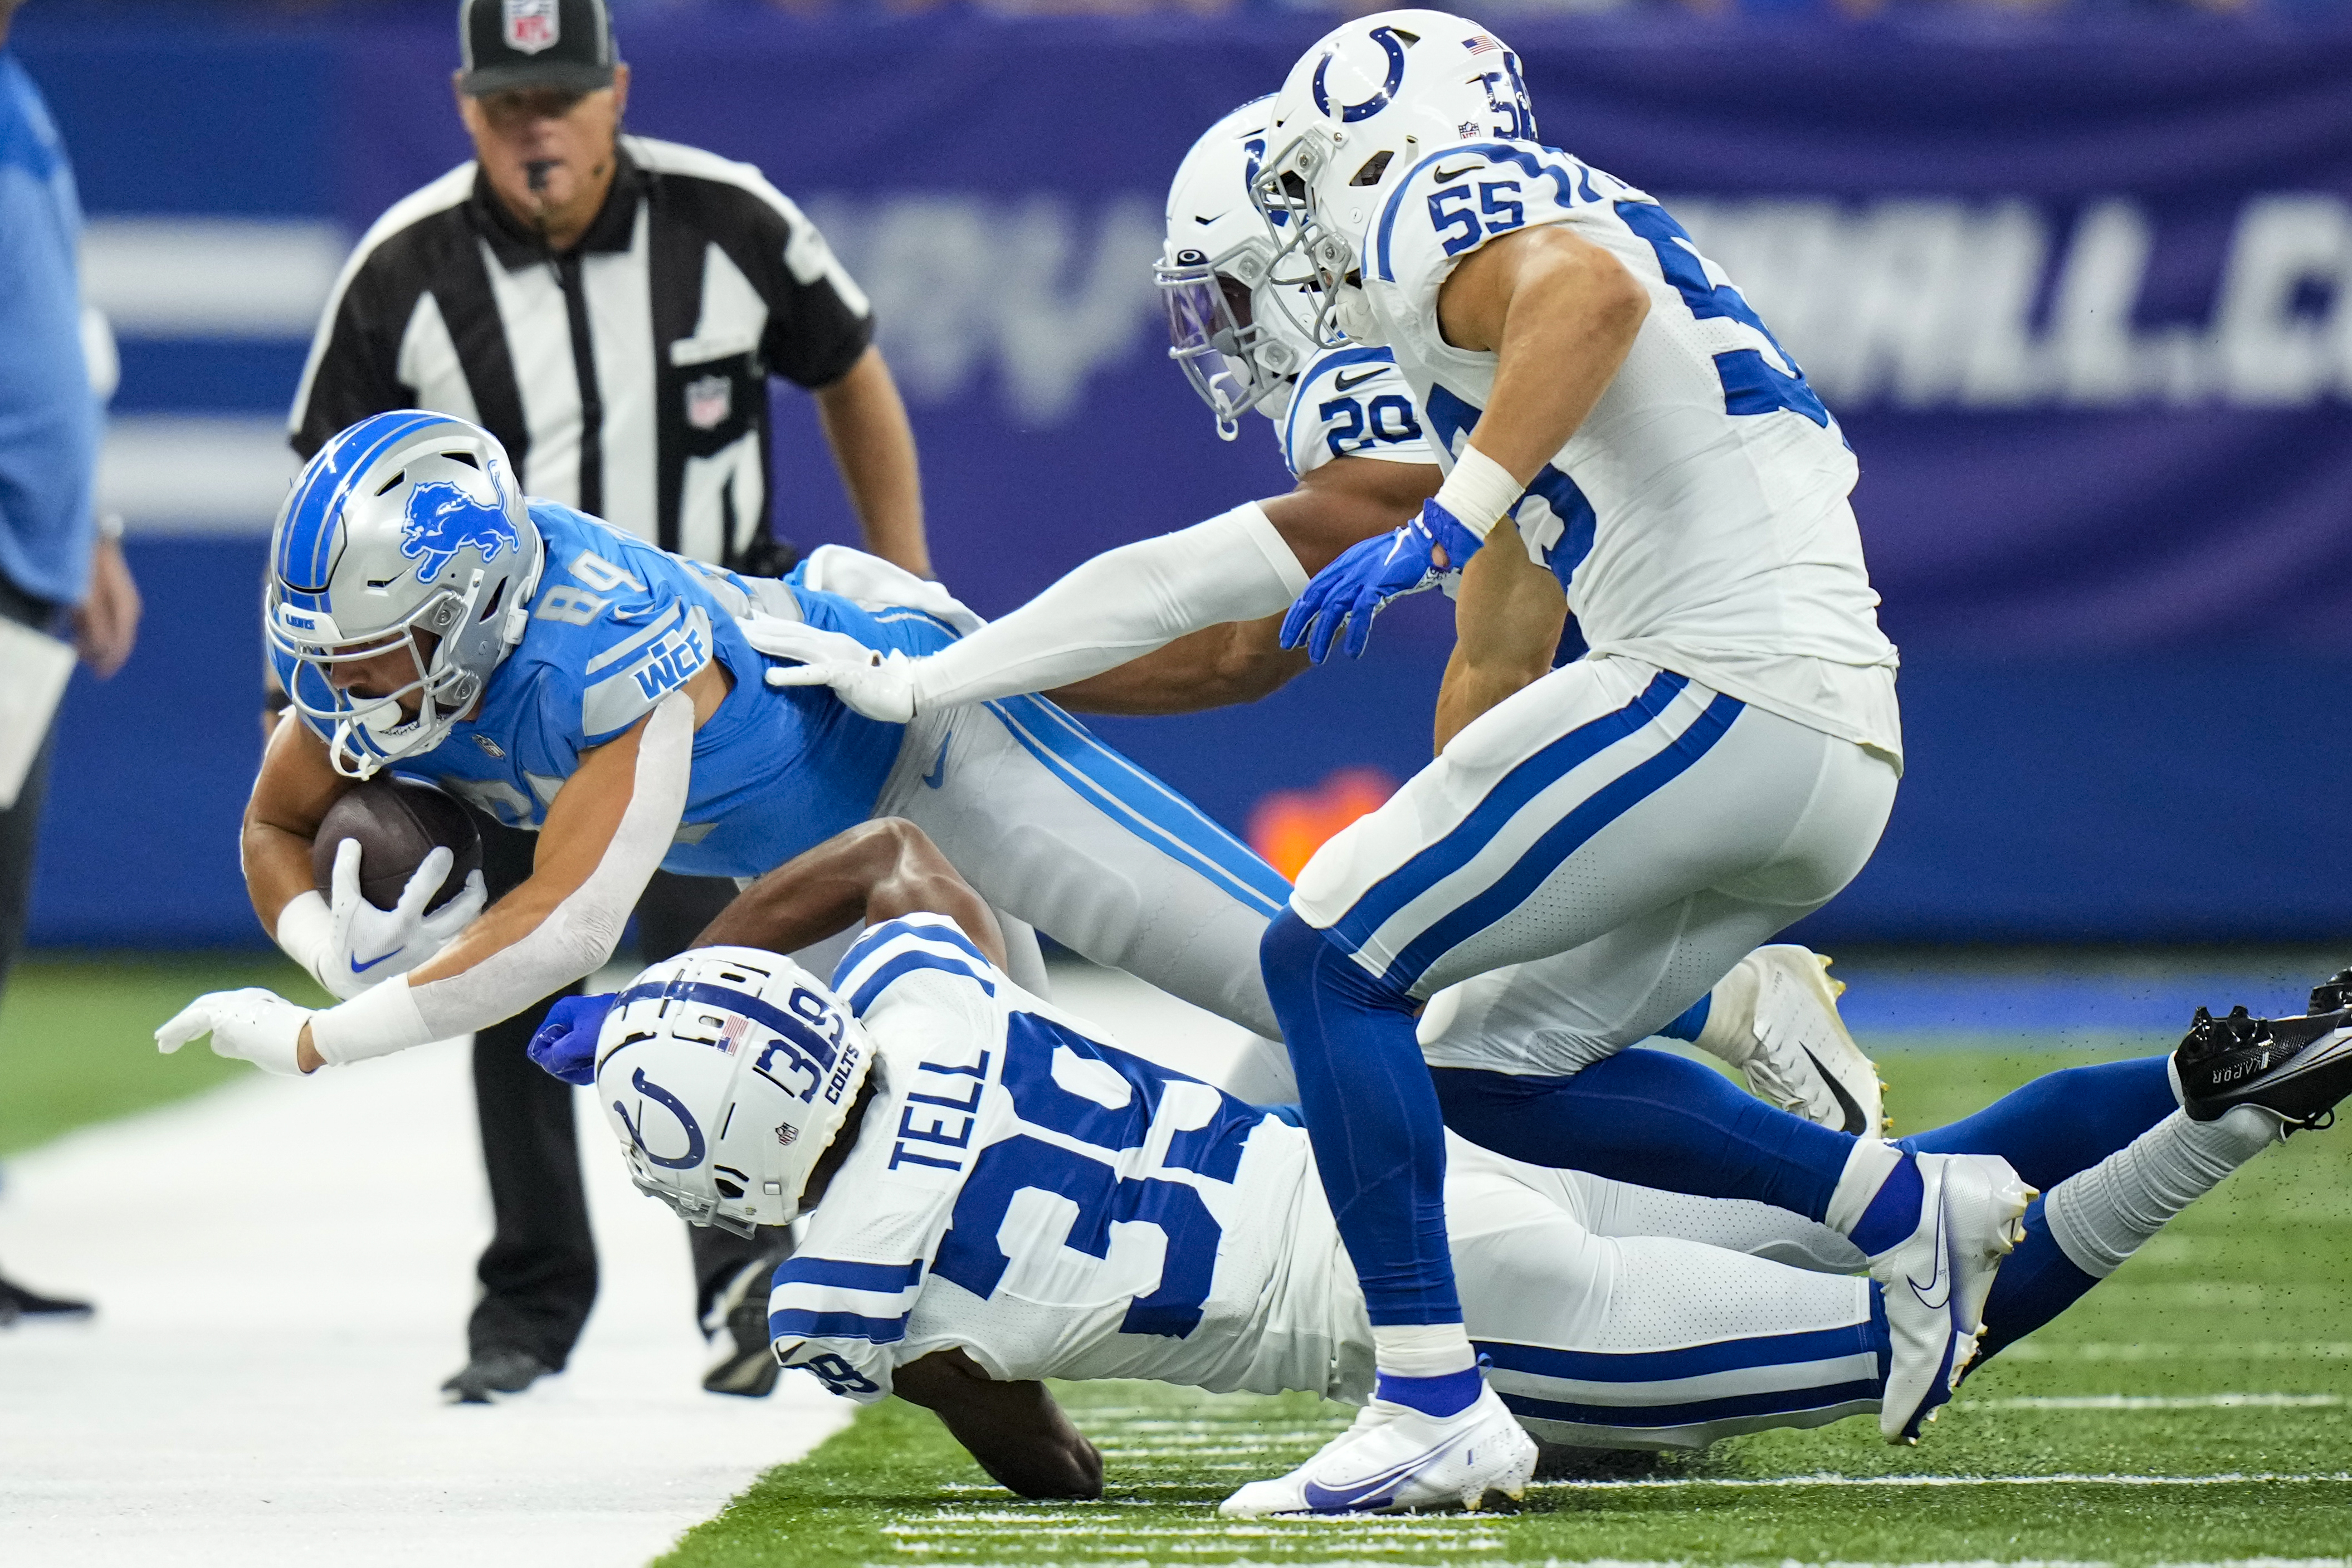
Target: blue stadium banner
<point>2080,291</point>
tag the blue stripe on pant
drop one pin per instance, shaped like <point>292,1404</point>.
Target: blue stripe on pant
<point>1380,902</point>
<point>1695,1395</point>
<point>1147,806</point>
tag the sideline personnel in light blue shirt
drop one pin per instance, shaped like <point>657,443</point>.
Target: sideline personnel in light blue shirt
<point>53,566</point>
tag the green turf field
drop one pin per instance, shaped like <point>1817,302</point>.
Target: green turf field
<point>77,1035</point>
<point>2196,1408</point>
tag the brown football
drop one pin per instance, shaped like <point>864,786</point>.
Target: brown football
<point>397,823</point>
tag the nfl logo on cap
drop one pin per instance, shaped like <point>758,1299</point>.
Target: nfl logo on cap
<point>532,24</point>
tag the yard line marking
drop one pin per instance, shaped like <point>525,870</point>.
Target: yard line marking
<point>2164,1401</point>
<point>2063,1478</point>
<point>2249,1350</point>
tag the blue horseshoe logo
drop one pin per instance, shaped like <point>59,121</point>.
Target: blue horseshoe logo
<point>677,1107</point>
<point>1351,112</point>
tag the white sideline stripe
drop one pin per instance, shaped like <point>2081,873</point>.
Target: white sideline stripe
<point>211,278</point>
<point>2061,1479</point>
<point>2164,1401</point>
<point>275,1310</point>
<point>224,476</point>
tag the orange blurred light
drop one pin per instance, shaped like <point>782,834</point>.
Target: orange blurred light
<point>1288,826</point>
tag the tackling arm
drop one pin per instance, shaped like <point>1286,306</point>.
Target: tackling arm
<point>1340,504</point>
<point>1015,1429</point>
<point>875,872</point>
<point>1200,588</point>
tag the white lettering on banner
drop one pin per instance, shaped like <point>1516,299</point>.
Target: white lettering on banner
<point>1044,292</point>
<point>1922,302</point>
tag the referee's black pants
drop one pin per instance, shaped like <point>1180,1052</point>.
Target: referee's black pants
<point>539,1273</point>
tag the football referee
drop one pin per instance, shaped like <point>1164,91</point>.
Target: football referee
<point>611,308</point>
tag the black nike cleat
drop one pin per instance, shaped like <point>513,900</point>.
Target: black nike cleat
<point>747,1364</point>
<point>494,1371</point>
<point>2298,1067</point>
<point>2332,994</point>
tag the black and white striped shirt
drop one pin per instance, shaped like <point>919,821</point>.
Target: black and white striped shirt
<point>627,376</point>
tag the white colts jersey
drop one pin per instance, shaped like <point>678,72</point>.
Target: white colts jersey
<point>1351,402</point>
<point>1699,514</point>
<point>1052,1204</point>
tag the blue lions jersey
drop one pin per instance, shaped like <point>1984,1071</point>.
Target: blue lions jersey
<point>615,626</point>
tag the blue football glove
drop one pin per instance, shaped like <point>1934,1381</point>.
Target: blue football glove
<point>565,1045</point>
<point>1364,580</point>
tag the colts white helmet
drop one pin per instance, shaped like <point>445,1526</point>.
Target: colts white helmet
<point>1360,110</point>
<point>407,531</point>
<point>1239,334</point>
<point>724,1072</point>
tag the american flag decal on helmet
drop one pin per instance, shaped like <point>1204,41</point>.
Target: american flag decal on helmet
<point>1479,44</point>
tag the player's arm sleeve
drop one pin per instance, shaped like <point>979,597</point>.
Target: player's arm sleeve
<point>1120,606</point>
<point>574,940</point>
<point>819,321</point>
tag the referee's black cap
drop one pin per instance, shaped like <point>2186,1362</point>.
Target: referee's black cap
<point>512,44</point>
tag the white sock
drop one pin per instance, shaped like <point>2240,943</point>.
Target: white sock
<point>1423,1350</point>
<point>1729,1031</point>
<point>2102,1216</point>
<point>1867,1166</point>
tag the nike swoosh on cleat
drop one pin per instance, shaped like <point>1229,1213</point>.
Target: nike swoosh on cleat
<point>938,773</point>
<point>1938,1292</point>
<point>1346,383</point>
<point>360,969</point>
<point>1856,1123</point>
<point>1348,1498</point>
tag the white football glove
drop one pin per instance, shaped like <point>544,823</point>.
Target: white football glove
<point>876,685</point>
<point>365,945</point>
<point>251,1025</point>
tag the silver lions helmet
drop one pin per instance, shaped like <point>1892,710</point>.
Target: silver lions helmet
<point>1239,333</point>
<point>726,1073</point>
<point>406,531</point>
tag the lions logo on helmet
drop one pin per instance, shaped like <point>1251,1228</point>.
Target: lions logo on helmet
<point>397,488</point>
<point>725,1073</point>
<point>442,519</point>
<point>1361,109</point>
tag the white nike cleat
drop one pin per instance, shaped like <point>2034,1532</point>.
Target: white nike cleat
<point>1394,1458</point>
<point>1795,1051</point>
<point>1935,1281</point>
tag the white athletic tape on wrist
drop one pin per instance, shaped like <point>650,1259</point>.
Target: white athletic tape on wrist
<point>1479,491</point>
<point>305,931</point>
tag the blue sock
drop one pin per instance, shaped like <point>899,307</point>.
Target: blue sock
<point>2063,1122</point>
<point>1893,1212</point>
<point>1686,1028</point>
<point>2036,1283</point>
<point>1653,1119</point>
<point>1372,1116</point>
<point>1447,1395</point>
